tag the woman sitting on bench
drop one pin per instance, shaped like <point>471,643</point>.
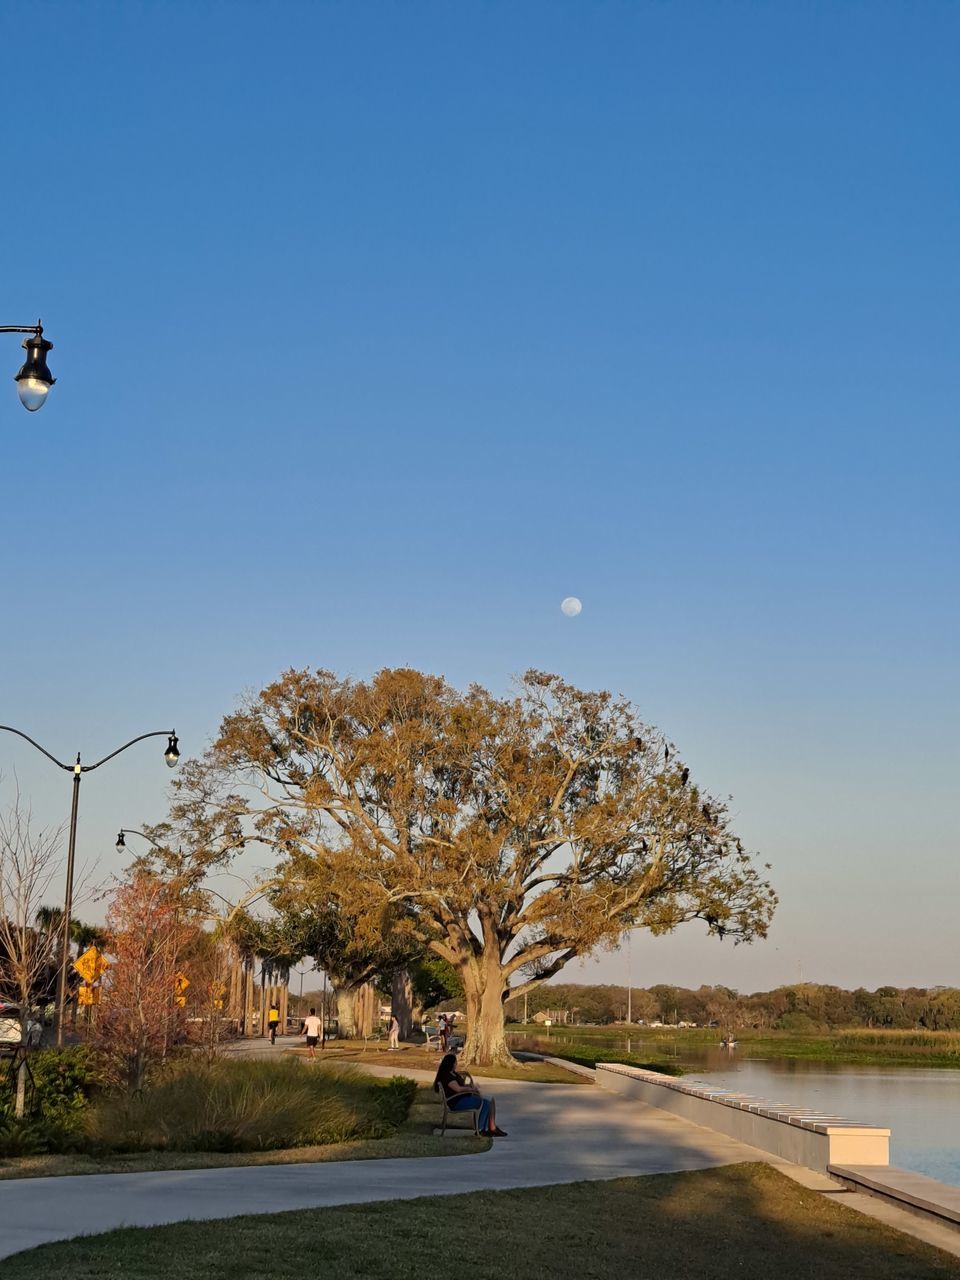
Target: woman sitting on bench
<point>463,1096</point>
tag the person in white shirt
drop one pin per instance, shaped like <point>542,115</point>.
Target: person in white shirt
<point>312,1028</point>
<point>394,1032</point>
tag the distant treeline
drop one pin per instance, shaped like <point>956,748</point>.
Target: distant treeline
<point>805,1006</point>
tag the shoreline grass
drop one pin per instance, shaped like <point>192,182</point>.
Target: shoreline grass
<point>586,1055</point>
<point>853,1047</point>
<point>712,1224</point>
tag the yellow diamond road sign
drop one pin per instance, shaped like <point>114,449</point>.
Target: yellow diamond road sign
<point>91,965</point>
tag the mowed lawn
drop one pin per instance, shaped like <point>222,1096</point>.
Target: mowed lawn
<point>744,1221</point>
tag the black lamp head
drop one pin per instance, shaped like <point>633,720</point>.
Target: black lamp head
<point>172,753</point>
<point>121,843</point>
<point>35,379</point>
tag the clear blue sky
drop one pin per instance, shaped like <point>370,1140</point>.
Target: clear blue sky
<point>380,329</point>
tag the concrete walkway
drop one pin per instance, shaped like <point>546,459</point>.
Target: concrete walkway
<point>558,1133</point>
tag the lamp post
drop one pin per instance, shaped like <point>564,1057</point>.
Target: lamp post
<point>171,755</point>
<point>34,379</point>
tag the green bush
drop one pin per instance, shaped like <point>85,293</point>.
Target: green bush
<point>36,1137</point>
<point>21,1138</point>
<point>249,1105</point>
<point>65,1081</point>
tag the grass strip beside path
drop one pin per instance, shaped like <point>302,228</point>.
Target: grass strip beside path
<point>413,1138</point>
<point>413,1057</point>
<point>716,1224</point>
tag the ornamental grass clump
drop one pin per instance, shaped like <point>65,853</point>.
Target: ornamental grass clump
<point>246,1105</point>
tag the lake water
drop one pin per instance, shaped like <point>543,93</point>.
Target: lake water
<point>920,1106</point>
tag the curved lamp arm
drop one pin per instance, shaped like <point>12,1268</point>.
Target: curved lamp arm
<point>171,756</point>
<point>252,895</point>
<point>132,831</point>
<point>156,733</point>
<point>20,734</point>
<point>87,768</point>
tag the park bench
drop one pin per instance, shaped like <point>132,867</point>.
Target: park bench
<point>446,1112</point>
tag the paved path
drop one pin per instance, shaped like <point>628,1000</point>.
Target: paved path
<point>558,1133</point>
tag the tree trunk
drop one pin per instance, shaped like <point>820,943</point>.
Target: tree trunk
<point>21,1103</point>
<point>366,1016</point>
<point>402,1001</point>
<point>346,998</point>
<point>485,987</point>
<point>138,1070</point>
<point>234,1010</point>
<point>263,1001</point>
<point>284,1001</point>
<point>248,997</point>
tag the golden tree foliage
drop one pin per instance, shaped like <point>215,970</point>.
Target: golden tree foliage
<point>508,835</point>
<point>139,1019</point>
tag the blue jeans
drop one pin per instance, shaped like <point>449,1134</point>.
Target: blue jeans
<point>471,1102</point>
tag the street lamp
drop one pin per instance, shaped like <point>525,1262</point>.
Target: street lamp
<point>132,831</point>
<point>171,755</point>
<point>181,878</point>
<point>34,379</point>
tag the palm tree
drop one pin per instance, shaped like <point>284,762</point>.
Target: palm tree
<point>87,935</point>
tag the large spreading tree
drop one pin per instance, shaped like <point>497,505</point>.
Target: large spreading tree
<point>507,835</point>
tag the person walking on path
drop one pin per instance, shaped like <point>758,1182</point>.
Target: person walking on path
<point>312,1028</point>
<point>273,1021</point>
<point>463,1095</point>
<point>394,1032</point>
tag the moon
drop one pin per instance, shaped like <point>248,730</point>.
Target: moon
<point>571,606</point>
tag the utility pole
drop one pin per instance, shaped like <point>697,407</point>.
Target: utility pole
<point>629,987</point>
<point>524,1008</point>
<point>323,1015</point>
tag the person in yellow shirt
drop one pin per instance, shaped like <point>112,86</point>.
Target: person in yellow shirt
<point>273,1021</point>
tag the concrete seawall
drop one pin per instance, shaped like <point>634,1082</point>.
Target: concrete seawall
<point>798,1134</point>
